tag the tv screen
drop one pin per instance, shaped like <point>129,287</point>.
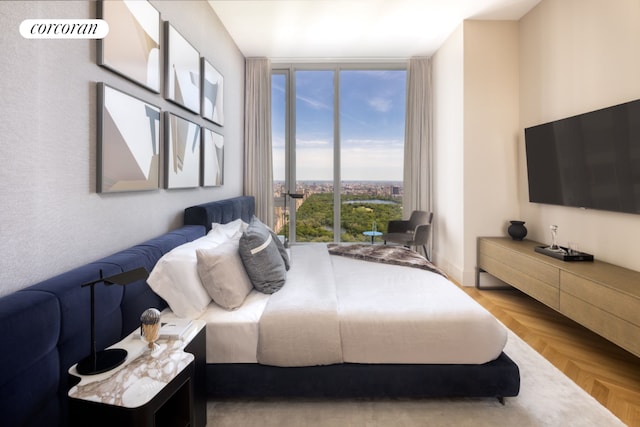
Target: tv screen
<point>591,160</point>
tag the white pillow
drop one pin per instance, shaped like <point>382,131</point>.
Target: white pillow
<point>223,275</point>
<point>224,232</point>
<point>175,278</point>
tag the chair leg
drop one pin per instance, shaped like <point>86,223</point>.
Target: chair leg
<point>426,255</point>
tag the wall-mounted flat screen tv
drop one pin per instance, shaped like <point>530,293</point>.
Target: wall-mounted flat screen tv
<point>590,161</point>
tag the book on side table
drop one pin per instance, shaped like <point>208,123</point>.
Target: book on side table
<point>174,328</point>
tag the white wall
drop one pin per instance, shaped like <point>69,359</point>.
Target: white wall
<point>448,155</point>
<point>475,138</point>
<point>490,133</point>
<point>493,79</point>
<point>51,218</point>
<point>578,56</point>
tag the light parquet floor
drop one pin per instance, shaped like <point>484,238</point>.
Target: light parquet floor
<point>607,372</point>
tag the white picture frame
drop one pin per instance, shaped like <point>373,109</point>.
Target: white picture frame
<point>212,107</point>
<point>182,70</point>
<point>182,152</point>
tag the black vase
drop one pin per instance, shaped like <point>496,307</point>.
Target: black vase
<point>517,230</point>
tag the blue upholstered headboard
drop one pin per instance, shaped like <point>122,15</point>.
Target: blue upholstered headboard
<point>221,211</point>
<point>45,328</point>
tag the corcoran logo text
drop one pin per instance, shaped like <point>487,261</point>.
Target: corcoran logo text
<point>64,28</point>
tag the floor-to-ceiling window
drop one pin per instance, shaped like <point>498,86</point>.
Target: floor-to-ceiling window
<point>279,131</point>
<point>338,143</point>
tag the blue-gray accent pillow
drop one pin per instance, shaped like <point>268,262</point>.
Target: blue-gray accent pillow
<point>281,249</point>
<point>261,258</point>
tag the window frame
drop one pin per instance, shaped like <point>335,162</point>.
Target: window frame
<point>289,70</point>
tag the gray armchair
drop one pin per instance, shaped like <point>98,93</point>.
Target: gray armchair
<point>413,232</point>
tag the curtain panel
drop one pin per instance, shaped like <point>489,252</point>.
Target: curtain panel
<point>418,137</point>
<point>258,163</point>
<point>418,187</point>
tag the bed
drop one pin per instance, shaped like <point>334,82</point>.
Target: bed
<point>344,327</point>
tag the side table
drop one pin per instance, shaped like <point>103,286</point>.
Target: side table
<point>165,387</point>
<point>372,234</point>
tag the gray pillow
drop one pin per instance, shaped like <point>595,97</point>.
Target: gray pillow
<point>281,249</point>
<point>261,258</point>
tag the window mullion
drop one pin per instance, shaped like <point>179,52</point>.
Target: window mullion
<point>336,157</point>
<point>291,178</point>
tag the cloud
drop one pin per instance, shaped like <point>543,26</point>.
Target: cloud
<point>374,144</point>
<point>379,104</point>
<point>276,86</point>
<point>361,160</point>
<point>313,143</point>
<point>372,165</point>
<point>314,103</point>
<point>278,141</point>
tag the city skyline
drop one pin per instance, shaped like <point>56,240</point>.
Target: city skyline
<point>370,188</point>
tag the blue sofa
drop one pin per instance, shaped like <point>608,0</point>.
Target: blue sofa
<point>45,328</point>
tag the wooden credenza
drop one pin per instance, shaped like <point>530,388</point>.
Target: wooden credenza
<point>601,296</point>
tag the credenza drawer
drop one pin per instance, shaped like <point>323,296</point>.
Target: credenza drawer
<point>620,305</point>
<point>542,291</point>
<point>615,329</point>
<point>517,261</point>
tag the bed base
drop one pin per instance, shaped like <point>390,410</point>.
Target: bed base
<point>499,378</point>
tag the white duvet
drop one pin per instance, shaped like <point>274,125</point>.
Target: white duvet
<point>385,314</point>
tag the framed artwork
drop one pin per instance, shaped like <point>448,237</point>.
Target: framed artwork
<point>182,152</point>
<point>128,151</point>
<point>212,94</point>
<point>182,70</point>
<point>132,46</point>
<point>212,158</point>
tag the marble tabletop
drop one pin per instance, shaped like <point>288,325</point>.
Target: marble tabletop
<point>143,374</point>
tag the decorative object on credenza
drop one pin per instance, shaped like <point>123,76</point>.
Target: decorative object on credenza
<point>212,94</point>
<point>132,46</point>
<point>212,158</point>
<point>150,327</point>
<point>564,254</point>
<point>182,71</point>
<point>182,141</point>
<point>554,240</point>
<point>573,248</point>
<point>128,152</point>
<point>517,230</point>
<point>105,360</point>
<point>560,252</point>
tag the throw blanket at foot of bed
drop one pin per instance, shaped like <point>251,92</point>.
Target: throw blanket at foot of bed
<point>394,255</point>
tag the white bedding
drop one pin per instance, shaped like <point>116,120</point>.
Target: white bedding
<point>387,314</point>
<point>395,314</point>
<point>300,325</point>
<point>232,336</point>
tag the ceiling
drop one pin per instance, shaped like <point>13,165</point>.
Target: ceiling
<point>323,30</point>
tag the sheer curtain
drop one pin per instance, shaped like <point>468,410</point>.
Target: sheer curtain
<point>418,139</point>
<point>258,169</point>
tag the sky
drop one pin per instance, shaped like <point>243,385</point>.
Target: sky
<point>372,111</point>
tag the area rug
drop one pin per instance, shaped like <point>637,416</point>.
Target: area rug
<point>547,398</point>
